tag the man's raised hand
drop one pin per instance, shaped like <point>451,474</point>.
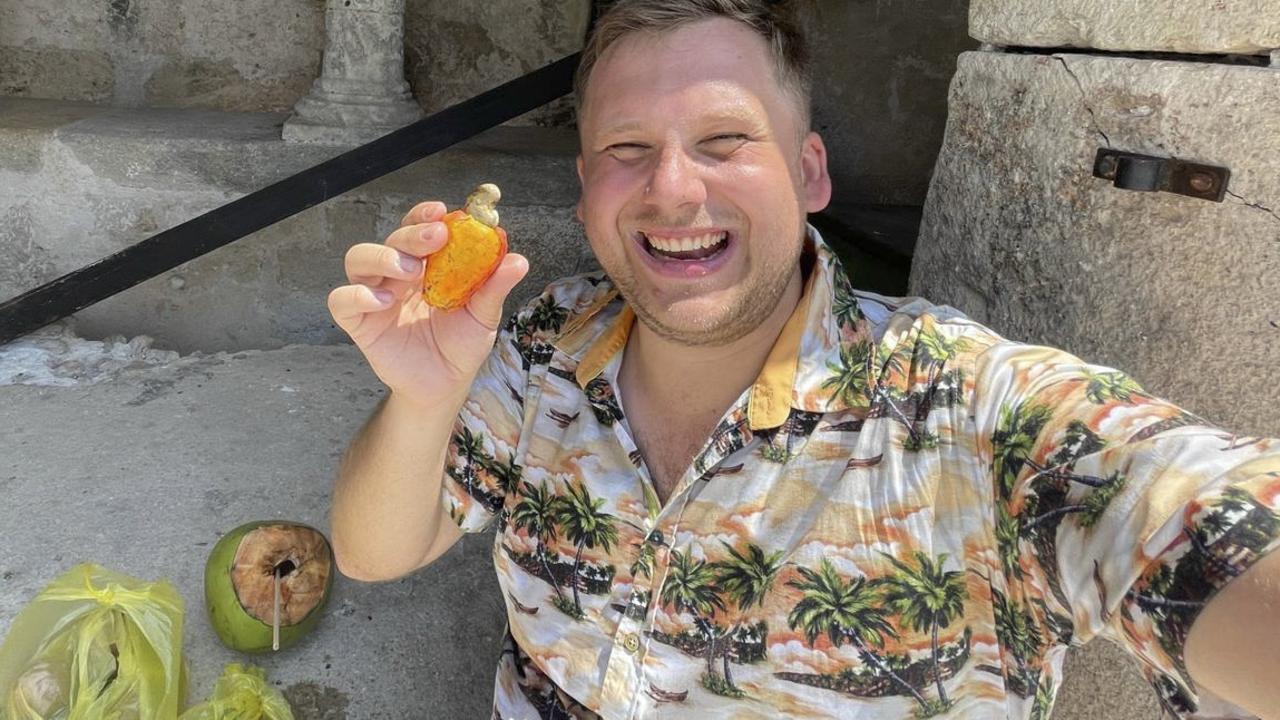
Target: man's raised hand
<point>421,353</point>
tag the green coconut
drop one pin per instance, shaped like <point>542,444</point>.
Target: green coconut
<point>266,573</point>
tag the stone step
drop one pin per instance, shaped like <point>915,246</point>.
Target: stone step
<point>1183,26</point>
<point>82,181</point>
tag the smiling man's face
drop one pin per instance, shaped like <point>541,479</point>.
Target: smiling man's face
<point>696,177</point>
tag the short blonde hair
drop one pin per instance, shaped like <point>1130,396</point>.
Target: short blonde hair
<point>781,23</point>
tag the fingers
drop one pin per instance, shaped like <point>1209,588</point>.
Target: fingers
<point>419,240</point>
<point>486,305</point>
<point>370,264</point>
<point>424,212</point>
<point>350,304</point>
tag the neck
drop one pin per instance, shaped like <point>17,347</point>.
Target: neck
<point>699,376</point>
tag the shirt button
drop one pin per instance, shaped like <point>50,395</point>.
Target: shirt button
<point>631,642</point>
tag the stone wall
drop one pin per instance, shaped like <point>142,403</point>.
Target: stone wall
<point>880,97</point>
<point>1186,26</point>
<point>262,55</point>
<point>244,55</point>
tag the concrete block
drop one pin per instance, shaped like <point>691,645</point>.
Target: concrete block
<point>157,458</point>
<point>1177,291</point>
<point>1187,26</point>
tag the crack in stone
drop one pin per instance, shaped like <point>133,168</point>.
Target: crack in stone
<point>1257,206</point>
<point>1094,116</point>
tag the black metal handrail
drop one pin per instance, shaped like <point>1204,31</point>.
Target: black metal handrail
<point>226,224</point>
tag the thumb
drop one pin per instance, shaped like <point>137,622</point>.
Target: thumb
<point>486,304</point>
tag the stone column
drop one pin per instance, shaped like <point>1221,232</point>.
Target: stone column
<point>361,94</point>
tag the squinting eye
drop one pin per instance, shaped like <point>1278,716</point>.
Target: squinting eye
<point>626,150</point>
<point>726,137</point>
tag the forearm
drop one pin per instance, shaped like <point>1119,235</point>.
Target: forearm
<point>386,502</point>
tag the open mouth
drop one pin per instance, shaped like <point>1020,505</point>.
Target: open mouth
<point>697,247</point>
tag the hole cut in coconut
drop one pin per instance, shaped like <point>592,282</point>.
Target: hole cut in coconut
<point>295,558</point>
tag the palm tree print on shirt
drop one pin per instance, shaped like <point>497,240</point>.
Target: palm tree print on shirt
<point>1112,386</point>
<point>470,450</point>
<point>531,330</point>
<point>536,514</point>
<point>585,526</point>
<point>845,611</point>
<point>851,378</point>
<point>746,579</point>
<point>928,598</point>
<point>708,591</point>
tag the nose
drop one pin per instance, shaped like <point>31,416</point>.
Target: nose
<point>676,180</point>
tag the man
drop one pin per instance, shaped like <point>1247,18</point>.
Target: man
<point>727,485</point>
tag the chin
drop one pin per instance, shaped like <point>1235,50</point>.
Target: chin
<point>698,324</point>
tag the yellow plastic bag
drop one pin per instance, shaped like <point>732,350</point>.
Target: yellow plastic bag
<point>95,645</point>
<point>242,693</point>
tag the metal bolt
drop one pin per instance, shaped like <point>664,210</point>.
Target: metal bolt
<point>1202,182</point>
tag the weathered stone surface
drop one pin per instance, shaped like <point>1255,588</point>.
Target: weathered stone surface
<point>75,202</point>
<point>1102,682</point>
<point>147,470</point>
<point>57,73</point>
<point>264,53</point>
<point>880,93</point>
<point>191,83</point>
<point>456,49</point>
<point>1190,26</point>
<point>1180,292</point>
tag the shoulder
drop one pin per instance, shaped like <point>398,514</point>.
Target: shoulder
<point>562,309</point>
<point>563,304</point>
<point>904,324</point>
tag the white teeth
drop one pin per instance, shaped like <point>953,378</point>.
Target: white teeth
<point>686,244</point>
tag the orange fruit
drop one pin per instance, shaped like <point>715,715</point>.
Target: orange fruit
<point>470,255</point>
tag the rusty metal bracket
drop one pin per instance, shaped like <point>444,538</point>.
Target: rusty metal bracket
<point>1144,173</point>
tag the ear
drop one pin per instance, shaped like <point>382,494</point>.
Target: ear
<point>815,182</point>
<point>581,189</point>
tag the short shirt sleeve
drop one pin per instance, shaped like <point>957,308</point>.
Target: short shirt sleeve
<point>1118,514</point>
<point>482,462</point>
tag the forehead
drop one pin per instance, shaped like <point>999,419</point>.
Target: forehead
<point>710,67</point>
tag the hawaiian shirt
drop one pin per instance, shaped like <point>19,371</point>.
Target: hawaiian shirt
<point>905,516</point>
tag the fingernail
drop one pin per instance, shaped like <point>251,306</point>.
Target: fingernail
<point>383,296</point>
<point>410,263</point>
